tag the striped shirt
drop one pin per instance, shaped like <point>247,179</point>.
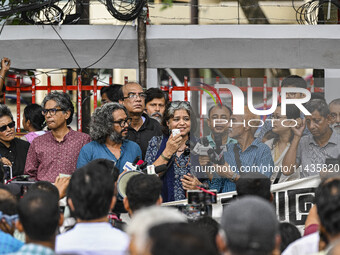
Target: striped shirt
<point>257,157</point>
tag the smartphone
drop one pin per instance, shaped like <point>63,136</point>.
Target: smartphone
<point>175,132</point>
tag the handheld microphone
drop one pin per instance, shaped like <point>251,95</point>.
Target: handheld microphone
<point>155,170</point>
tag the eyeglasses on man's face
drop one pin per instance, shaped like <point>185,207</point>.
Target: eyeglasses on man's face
<point>10,125</point>
<point>122,123</point>
<point>51,111</point>
<point>135,95</point>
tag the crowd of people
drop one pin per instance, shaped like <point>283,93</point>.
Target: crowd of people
<point>131,124</point>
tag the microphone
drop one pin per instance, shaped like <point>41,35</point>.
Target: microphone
<point>155,170</point>
<point>136,160</point>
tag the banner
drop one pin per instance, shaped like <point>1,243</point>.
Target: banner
<point>292,200</point>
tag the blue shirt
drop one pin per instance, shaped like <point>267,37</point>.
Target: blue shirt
<point>34,249</point>
<point>257,157</point>
<point>94,150</point>
<point>8,243</point>
<point>217,182</point>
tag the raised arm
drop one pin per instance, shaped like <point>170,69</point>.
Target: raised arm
<point>289,164</point>
<point>5,65</point>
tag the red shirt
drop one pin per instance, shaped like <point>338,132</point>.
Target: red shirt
<point>47,157</point>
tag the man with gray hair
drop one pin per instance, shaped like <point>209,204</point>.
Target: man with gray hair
<point>144,220</point>
<point>108,130</point>
<point>56,151</point>
<point>245,232</point>
<point>334,108</point>
<point>311,151</point>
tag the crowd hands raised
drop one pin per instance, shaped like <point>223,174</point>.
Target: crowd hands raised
<point>131,123</point>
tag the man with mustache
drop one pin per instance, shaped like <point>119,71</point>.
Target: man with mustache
<point>56,151</point>
<point>155,102</point>
<point>108,130</point>
<point>334,108</point>
<point>311,151</point>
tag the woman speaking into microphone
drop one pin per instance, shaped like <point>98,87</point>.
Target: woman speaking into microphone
<point>172,148</point>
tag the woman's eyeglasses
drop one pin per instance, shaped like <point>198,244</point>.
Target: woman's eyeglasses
<point>10,125</point>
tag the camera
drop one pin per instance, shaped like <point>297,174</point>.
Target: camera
<point>199,204</point>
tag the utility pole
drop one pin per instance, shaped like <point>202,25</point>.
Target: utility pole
<point>86,75</point>
<point>142,54</point>
<point>194,73</point>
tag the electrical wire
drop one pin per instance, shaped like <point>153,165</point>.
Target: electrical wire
<point>114,42</point>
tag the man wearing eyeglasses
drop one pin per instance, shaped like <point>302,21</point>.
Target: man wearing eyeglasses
<point>55,152</point>
<point>108,130</point>
<point>142,127</point>
<point>13,151</point>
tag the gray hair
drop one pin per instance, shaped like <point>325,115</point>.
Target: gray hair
<point>63,101</point>
<point>149,217</point>
<point>169,112</point>
<point>335,101</point>
<point>5,111</point>
<point>101,121</point>
<point>319,105</point>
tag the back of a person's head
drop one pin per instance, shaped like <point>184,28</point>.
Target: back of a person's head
<point>8,202</point>
<point>33,113</point>
<point>113,91</point>
<point>294,81</point>
<point>251,226</point>
<point>143,190</point>
<point>178,239</point>
<point>92,188</point>
<point>46,186</point>
<point>209,226</point>
<point>289,233</point>
<point>327,199</point>
<point>253,183</point>
<point>39,215</point>
<point>146,218</point>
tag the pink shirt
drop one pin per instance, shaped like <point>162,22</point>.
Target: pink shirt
<point>47,157</point>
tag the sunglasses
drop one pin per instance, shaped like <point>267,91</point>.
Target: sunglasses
<point>10,125</point>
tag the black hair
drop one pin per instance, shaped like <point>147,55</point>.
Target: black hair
<point>253,183</point>
<point>295,81</point>
<point>209,226</point>
<point>220,106</point>
<point>169,112</point>
<point>39,215</point>
<point>153,93</point>
<point>33,113</point>
<point>289,233</point>
<point>178,239</point>
<point>63,101</point>
<point>319,105</point>
<point>103,90</point>
<point>292,112</point>
<point>143,190</point>
<point>46,186</point>
<point>112,92</point>
<point>327,198</point>
<point>8,202</point>
<point>91,189</point>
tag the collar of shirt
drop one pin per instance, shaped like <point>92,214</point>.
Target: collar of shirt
<point>255,143</point>
<point>146,123</point>
<point>37,249</point>
<point>334,139</point>
<point>11,145</point>
<point>65,137</point>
